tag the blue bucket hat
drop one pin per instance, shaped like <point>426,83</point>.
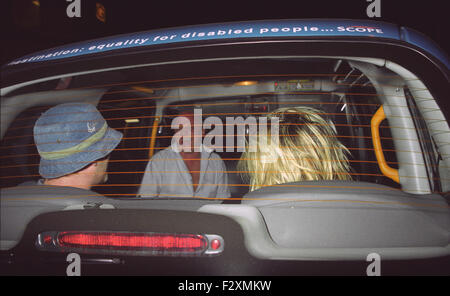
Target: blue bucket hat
<point>70,136</point>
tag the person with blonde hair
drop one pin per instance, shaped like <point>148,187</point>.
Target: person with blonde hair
<point>306,149</point>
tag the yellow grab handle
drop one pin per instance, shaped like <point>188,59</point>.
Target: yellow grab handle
<point>389,172</point>
<point>153,137</point>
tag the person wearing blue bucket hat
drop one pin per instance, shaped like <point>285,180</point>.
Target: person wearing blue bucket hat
<point>74,141</point>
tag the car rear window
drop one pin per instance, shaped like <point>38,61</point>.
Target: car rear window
<point>143,102</point>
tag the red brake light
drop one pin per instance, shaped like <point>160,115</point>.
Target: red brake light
<point>148,243</point>
<point>215,244</point>
<point>48,239</point>
<point>171,242</point>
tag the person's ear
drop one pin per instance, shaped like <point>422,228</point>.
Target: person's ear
<point>92,166</point>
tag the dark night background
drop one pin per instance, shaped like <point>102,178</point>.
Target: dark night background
<point>29,26</point>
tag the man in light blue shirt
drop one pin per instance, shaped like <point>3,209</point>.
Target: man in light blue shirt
<point>175,172</point>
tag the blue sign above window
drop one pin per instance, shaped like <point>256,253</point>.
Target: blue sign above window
<point>226,31</point>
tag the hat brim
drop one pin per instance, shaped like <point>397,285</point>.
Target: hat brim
<point>50,169</point>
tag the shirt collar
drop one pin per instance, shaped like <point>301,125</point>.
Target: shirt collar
<point>204,150</point>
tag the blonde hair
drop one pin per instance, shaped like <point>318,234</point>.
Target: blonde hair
<point>308,149</point>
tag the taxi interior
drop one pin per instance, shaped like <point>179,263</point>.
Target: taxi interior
<point>345,95</point>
